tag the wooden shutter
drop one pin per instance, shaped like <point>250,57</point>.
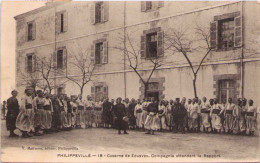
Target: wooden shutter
<point>55,59</point>
<point>92,53</point>
<point>105,52</point>
<point>33,30</point>
<point>143,6</point>
<point>34,64</point>
<point>214,35</point>
<point>65,21</point>
<point>26,32</point>
<point>238,32</point>
<point>92,13</point>
<point>64,58</point>
<point>93,92</point>
<point>26,64</point>
<point>105,91</point>
<point>58,22</point>
<point>160,51</point>
<point>106,11</point>
<point>143,46</point>
<point>160,4</point>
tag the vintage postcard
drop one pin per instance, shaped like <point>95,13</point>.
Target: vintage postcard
<point>130,81</point>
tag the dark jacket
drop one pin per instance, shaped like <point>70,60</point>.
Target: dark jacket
<point>119,111</point>
<point>178,110</point>
<point>152,107</point>
<point>12,113</point>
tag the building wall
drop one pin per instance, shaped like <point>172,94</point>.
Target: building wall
<point>174,15</point>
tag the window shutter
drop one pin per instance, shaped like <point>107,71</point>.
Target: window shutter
<point>238,32</point>
<point>26,64</point>
<point>214,34</point>
<point>105,91</point>
<point>26,32</point>
<point>34,63</point>
<point>58,22</point>
<point>65,21</point>
<point>55,60</point>
<point>92,13</point>
<point>143,46</point>
<point>105,52</point>
<point>33,30</point>
<point>106,11</point>
<point>92,53</point>
<point>160,4</point>
<point>64,58</point>
<point>143,6</point>
<point>160,49</point>
<point>93,92</point>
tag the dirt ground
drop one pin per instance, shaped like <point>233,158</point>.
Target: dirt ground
<point>108,143</point>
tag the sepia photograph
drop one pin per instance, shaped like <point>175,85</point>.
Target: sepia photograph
<point>130,81</point>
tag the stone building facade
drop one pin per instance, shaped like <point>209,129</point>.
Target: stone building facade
<point>60,29</point>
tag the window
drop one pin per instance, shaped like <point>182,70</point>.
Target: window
<point>29,63</point>
<point>226,34</point>
<point>60,59</point>
<point>30,31</point>
<point>99,52</point>
<point>151,45</point>
<point>98,12</point>
<point>226,90</point>
<point>149,5</point>
<point>99,91</point>
<point>62,23</point>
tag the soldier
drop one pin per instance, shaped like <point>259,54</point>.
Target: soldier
<point>56,114</point>
<point>144,111</point>
<point>38,103</point>
<point>205,110</point>
<point>193,116</point>
<point>69,113</point>
<point>107,107</point>
<point>242,117</point>
<point>138,114</point>
<point>236,114</point>
<point>152,122</point>
<point>62,107</point>
<point>48,108</point>
<point>25,118</point>
<point>88,107</point>
<point>161,114</point>
<point>120,113</point>
<point>12,113</point>
<point>74,111</point>
<point>215,116</point>
<point>251,115</point>
<point>179,113</point>
<point>131,114</point>
<point>228,113</point>
<point>80,112</point>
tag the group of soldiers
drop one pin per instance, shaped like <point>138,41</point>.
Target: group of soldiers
<point>46,113</point>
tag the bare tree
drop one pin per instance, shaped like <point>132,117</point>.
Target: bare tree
<point>137,61</point>
<point>187,44</point>
<point>83,64</point>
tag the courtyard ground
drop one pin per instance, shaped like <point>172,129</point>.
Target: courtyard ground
<point>107,144</point>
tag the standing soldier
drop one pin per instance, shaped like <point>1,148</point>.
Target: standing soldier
<point>144,111</point>
<point>228,113</point>
<point>215,116</point>
<point>106,112</point>
<point>138,114</point>
<point>69,113</point>
<point>161,114</point>
<point>88,106</point>
<point>62,113</point>
<point>25,119</point>
<point>112,119</point>
<point>120,113</point>
<point>152,122</point>
<point>56,114</point>
<point>80,112</point>
<point>12,113</point>
<point>131,114</point>
<point>38,103</point>
<point>168,115</point>
<point>251,114</point>
<point>193,116</point>
<point>236,114</point>
<point>242,118</point>
<point>74,111</point>
<point>187,119</point>
<point>205,110</point>
<point>48,108</point>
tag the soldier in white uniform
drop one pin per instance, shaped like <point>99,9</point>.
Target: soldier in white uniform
<point>228,114</point>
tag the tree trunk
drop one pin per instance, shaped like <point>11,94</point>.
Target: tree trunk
<point>145,90</point>
<point>81,91</point>
<point>194,86</point>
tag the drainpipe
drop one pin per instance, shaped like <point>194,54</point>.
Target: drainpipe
<point>242,54</point>
<point>124,48</point>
